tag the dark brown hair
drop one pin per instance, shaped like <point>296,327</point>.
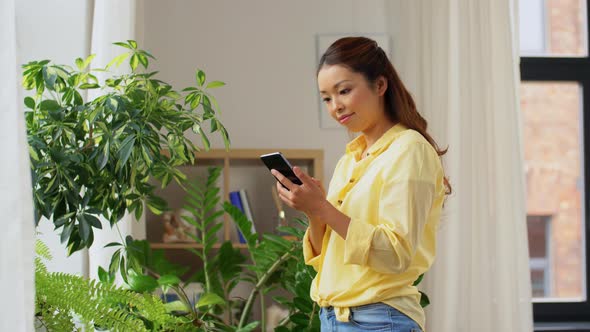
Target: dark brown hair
<point>363,55</point>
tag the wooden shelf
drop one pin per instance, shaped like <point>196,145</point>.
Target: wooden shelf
<point>233,159</point>
<point>186,245</point>
<point>315,156</point>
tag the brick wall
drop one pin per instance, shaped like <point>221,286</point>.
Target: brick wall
<point>552,131</point>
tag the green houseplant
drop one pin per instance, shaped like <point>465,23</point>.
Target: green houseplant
<point>274,263</point>
<point>93,159</point>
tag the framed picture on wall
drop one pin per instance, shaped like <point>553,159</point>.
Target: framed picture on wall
<point>323,41</point>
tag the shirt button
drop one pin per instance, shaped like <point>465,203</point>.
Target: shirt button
<point>340,202</point>
<point>351,180</point>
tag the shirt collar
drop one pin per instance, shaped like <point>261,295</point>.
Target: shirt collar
<point>357,145</point>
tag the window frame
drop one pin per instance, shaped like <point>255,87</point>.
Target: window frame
<point>572,69</point>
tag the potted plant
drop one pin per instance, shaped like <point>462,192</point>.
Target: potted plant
<point>94,158</point>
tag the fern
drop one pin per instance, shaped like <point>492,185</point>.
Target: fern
<point>201,203</point>
<point>73,294</point>
<point>219,274</point>
<point>62,300</point>
<point>42,250</point>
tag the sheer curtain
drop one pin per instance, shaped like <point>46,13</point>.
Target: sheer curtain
<point>16,206</point>
<point>113,21</point>
<point>460,58</point>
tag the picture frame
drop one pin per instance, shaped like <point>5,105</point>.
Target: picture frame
<point>323,41</point>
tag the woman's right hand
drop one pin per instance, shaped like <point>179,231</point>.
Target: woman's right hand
<point>309,197</point>
<point>319,184</point>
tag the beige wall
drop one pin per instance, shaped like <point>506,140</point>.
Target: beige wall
<point>265,51</point>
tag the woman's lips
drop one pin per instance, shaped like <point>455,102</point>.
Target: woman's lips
<point>345,118</point>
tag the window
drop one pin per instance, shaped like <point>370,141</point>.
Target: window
<point>555,90</point>
<point>540,262</point>
<point>553,28</point>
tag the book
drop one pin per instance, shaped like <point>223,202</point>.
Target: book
<point>235,200</point>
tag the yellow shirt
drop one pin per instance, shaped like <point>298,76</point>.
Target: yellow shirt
<point>394,197</point>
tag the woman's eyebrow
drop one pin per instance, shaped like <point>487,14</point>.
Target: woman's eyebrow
<point>336,85</point>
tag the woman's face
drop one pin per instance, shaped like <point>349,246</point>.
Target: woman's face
<point>350,99</point>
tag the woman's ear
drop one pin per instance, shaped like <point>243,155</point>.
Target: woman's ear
<point>381,85</point>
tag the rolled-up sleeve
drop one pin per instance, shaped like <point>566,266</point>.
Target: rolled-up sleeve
<point>308,255</point>
<point>389,243</point>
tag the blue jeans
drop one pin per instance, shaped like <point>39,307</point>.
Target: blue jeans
<point>371,317</point>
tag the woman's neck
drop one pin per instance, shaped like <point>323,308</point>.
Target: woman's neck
<point>375,132</point>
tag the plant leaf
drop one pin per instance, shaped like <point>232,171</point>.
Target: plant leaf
<point>134,61</point>
<point>80,63</point>
<point>112,104</point>
<point>30,102</point>
<point>50,76</point>
<point>424,300</point>
<point>87,86</point>
<point>118,59</point>
<point>303,304</point>
<point>143,60</point>
<point>84,227</point>
<point>249,327</point>
<point>103,157</point>
<point>122,45</point>
<point>168,280</point>
<point>49,105</point>
<point>93,221</point>
<point>175,306</point>
<point>126,148</point>
<point>215,84</point>
<point>104,276</point>
<point>300,319</point>
<point>87,61</point>
<point>208,299</point>
<point>141,283</point>
<point>418,280</point>
<point>201,77</point>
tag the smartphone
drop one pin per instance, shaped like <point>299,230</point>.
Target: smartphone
<point>277,161</point>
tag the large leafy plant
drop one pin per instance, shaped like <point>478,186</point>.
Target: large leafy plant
<point>94,158</point>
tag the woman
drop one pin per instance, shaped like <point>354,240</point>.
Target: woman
<point>374,232</point>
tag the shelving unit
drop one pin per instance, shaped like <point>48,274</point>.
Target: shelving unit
<point>236,163</point>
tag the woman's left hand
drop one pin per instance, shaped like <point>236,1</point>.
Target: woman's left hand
<point>308,197</point>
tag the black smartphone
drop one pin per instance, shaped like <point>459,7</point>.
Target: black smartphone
<point>277,161</point>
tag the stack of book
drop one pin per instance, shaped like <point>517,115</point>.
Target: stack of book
<point>240,200</point>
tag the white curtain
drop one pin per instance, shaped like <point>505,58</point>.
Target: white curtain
<point>17,235</point>
<point>113,21</point>
<point>460,58</point>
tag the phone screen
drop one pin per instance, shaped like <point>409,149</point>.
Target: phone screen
<point>277,161</point>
